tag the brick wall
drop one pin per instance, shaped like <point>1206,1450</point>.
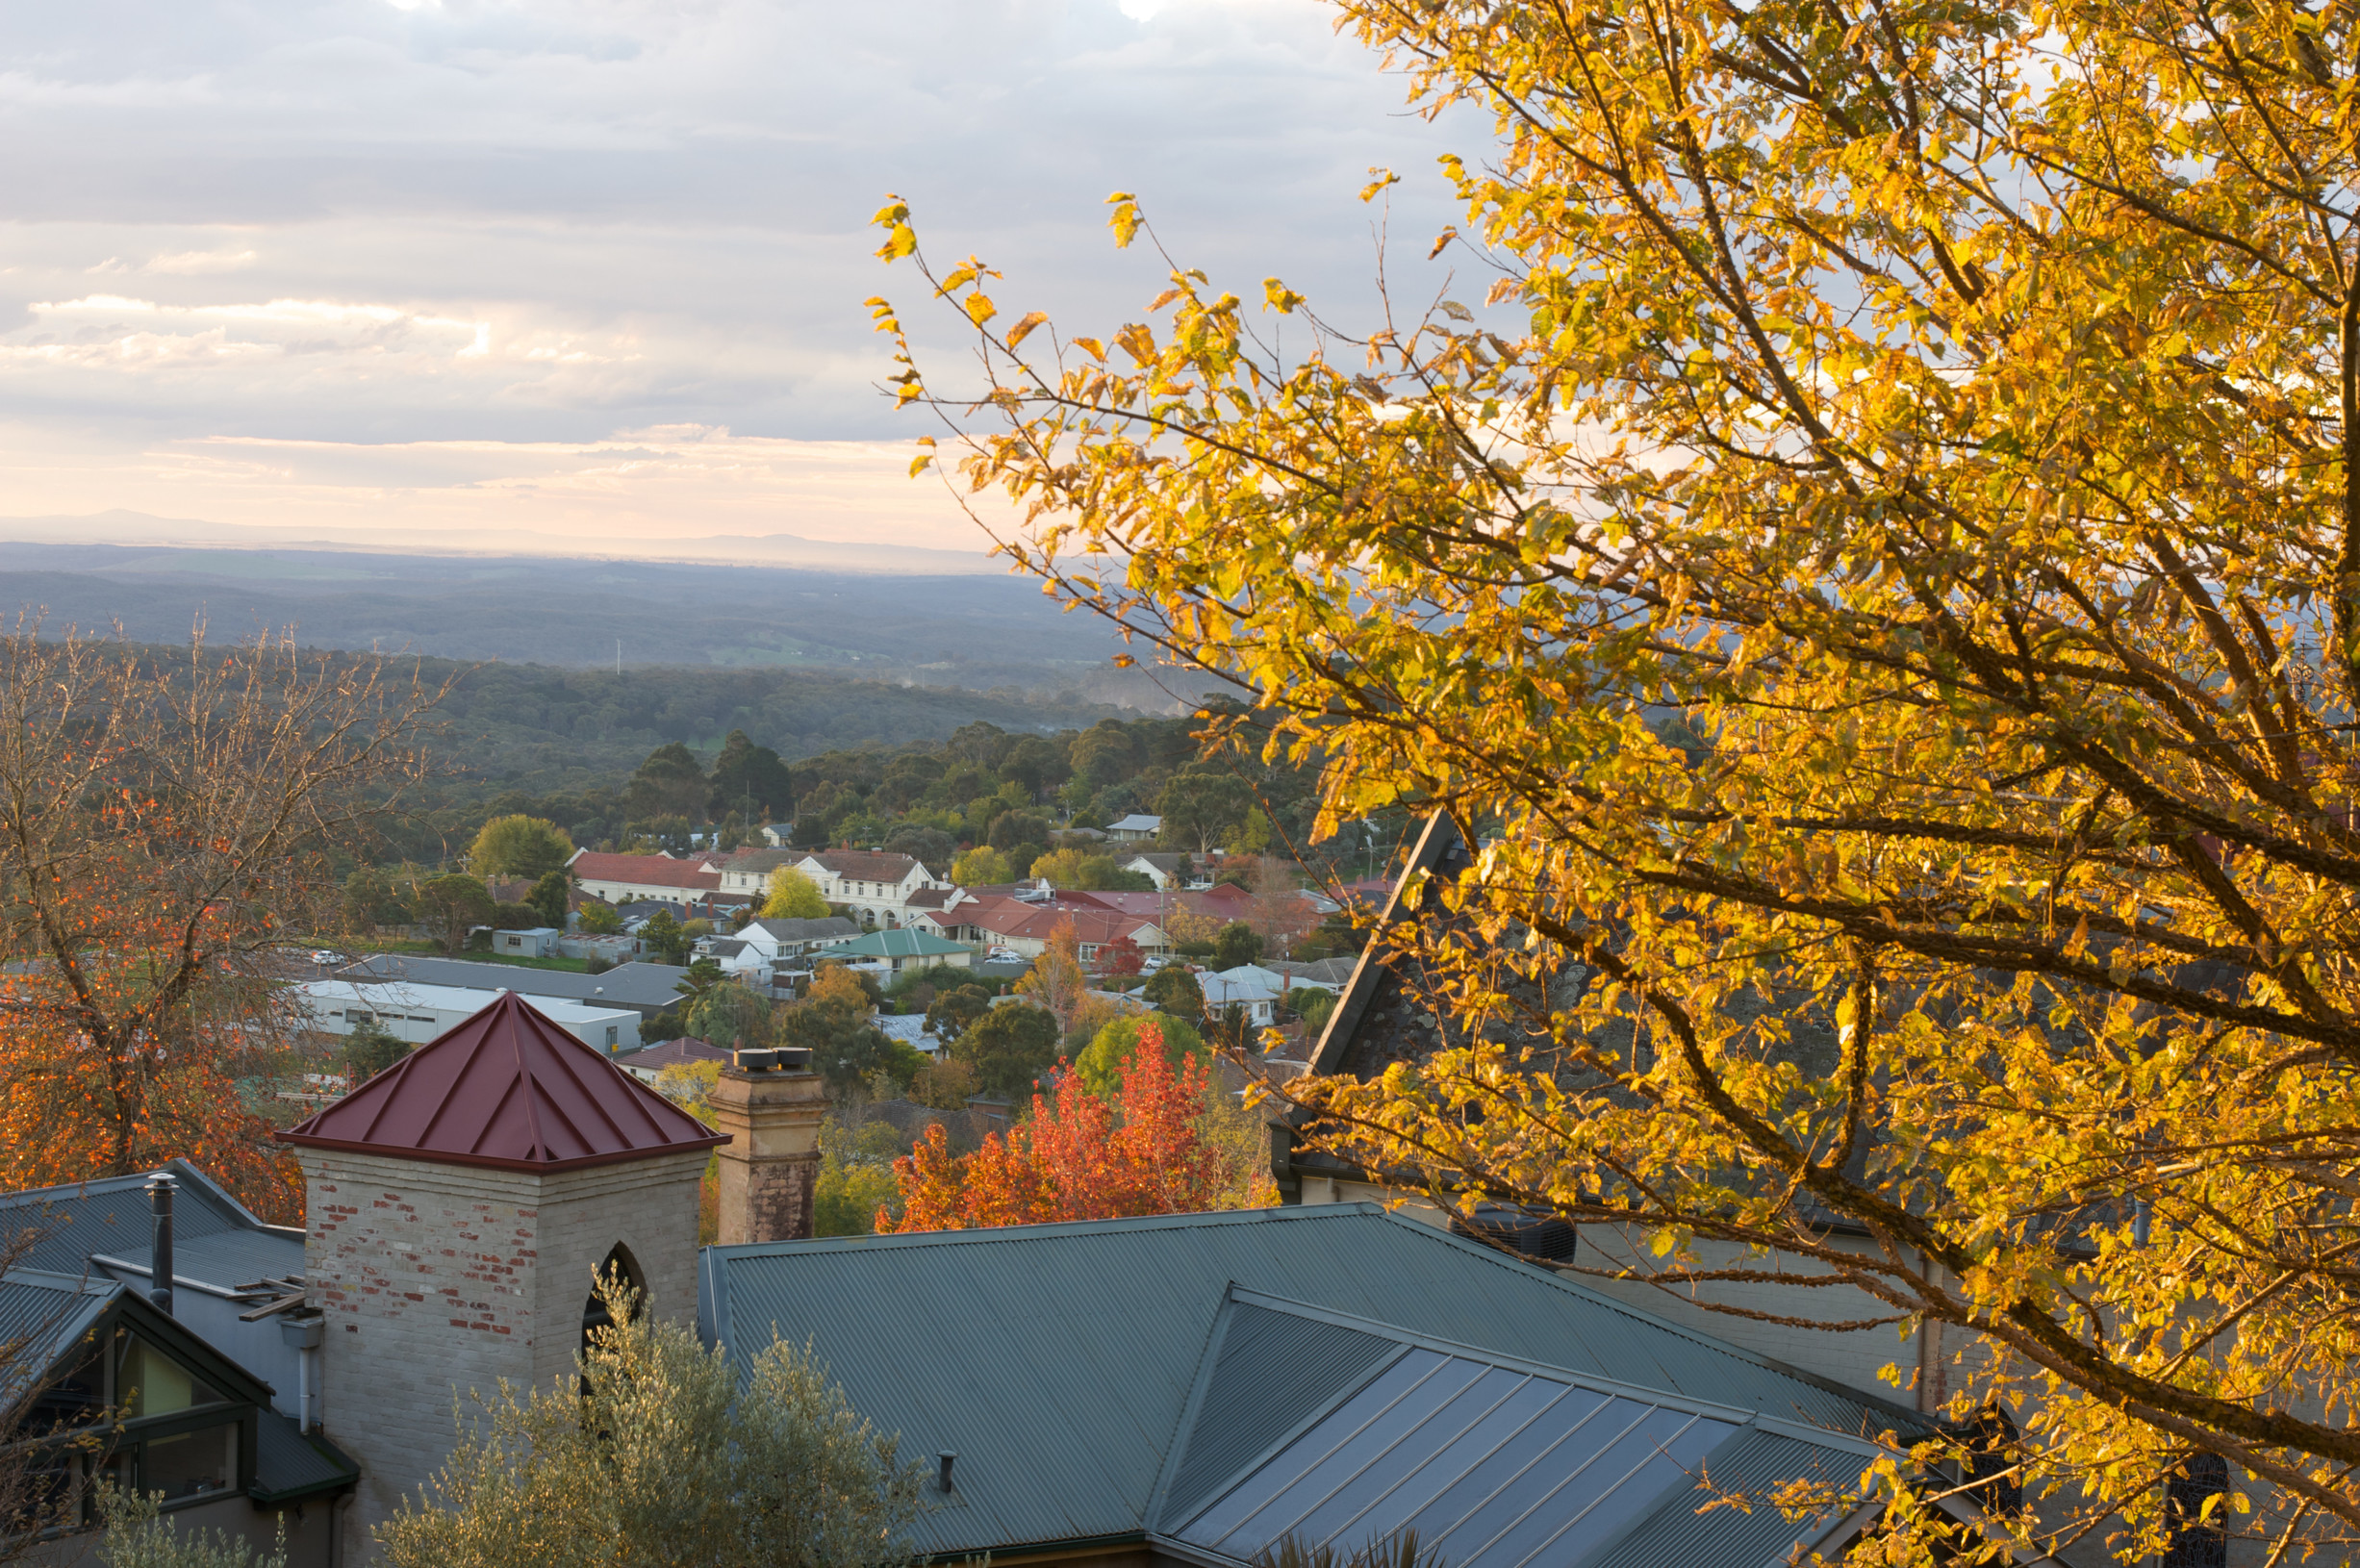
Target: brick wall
<point>439,1280</point>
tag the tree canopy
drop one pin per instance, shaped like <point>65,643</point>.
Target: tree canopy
<point>1884,549</point>
<point>519,846</point>
<point>790,894</point>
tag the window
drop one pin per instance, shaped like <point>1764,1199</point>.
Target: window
<point>614,1035</point>
<point>147,1383</point>
<point>191,1463</point>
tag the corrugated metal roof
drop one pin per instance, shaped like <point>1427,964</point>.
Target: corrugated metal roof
<point>1493,1462</point>
<point>39,1322</point>
<point>510,1089</point>
<point>226,1261</point>
<point>110,1216</point>
<point>1058,1359</point>
<point>1268,1369</point>
<point>1679,1533</point>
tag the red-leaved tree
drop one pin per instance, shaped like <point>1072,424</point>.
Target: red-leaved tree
<point>1080,1157</point>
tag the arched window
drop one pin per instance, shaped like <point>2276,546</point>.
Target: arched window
<point>618,1265</point>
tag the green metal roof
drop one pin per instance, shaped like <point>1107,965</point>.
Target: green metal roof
<point>900,942</point>
<point>1056,1361</point>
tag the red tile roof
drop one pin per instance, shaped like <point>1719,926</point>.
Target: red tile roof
<point>507,1089</point>
<point>1038,922</point>
<point>647,871</point>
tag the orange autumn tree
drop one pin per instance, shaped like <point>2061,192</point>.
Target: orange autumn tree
<point>1144,1150</point>
<point>166,817</point>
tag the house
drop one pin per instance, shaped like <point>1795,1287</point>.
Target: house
<point>1181,1390</point>
<point>217,1372</point>
<point>417,1012</point>
<point>910,1030</point>
<point>644,1065</point>
<point>869,885</point>
<point>776,834</point>
<point>900,950</point>
<point>747,872</point>
<point>645,989</point>
<point>1026,929</point>
<point>764,948</point>
<point>1136,828</point>
<point>1166,870</point>
<point>539,942</point>
<point>1249,987</point>
<point>622,878</point>
<point>1323,973</point>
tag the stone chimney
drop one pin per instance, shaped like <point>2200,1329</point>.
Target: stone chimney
<point>769,1103</point>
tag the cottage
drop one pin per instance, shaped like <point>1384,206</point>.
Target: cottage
<point>1136,828</point>
<point>644,1065</point>
<point>902,950</point>
<point>538,941</point>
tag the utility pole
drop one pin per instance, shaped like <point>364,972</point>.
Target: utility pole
<point>618,655</point>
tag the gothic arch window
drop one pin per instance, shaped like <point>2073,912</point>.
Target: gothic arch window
<point>619,1264</point>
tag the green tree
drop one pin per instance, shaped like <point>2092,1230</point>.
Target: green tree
<point>1953,415</point>
<point>982,867</point>
<point>371,900</point>
<point>1101,1062</point>
<point>662,932</point>
<point>369,1048</point>
<point>930,846</point>
<point>1201,809</point>
<point>659,1451</point>
<point>518,847</point>
<point>599,919</point>
<point>451,906</point>
<point>1174,990</point>
<point>1013,829</point>
<point>792,895</point>
<point>550,897</point>
<point>669,783</point>
<point>1008,1048</point>
<point>730,1016</point>
<point>750,780</point>
<point>834,1022</point>
<point>953,1010</point>
<point>1235,944</point>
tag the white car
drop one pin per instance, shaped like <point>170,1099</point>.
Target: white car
<point>321,955</point>
<point>1004,955</point>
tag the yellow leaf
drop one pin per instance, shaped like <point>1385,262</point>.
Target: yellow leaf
<point>1023,329</point>
<point>1384,177</point>
<point>920,463</point>
<point>1124,221</point>
<point>1140,343</point>
<point>1278,296</point>
<point>1097,349</point>
<point>1441,240</point>
<point>1165,298</point>
<point>903,242</point>
<point>980,310</point>
<point>893,212</point>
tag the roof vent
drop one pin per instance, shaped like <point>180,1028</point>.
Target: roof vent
<point>942,1479</point>
<point>747,1060</point>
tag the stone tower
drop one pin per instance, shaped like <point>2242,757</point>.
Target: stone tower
<point>459,1205</point>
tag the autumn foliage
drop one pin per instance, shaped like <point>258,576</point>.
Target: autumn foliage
<point>1143,1151</point>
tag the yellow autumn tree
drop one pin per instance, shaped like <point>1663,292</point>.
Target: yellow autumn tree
<point>790,894</point>
<point>1880,551</point>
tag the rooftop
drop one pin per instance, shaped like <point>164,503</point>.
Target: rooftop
<point>1137,822</point>
<point>897,943</point>
<point>700,874</point>
<point>1096,1337</point>
<point>642,986</point>
<point>394,996</point>
<point>507,1089</point>
<point>866,865</point>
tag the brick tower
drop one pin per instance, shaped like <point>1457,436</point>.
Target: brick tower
<point>459,1205</point>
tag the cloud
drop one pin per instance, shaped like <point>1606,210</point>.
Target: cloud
<point>548,220</point>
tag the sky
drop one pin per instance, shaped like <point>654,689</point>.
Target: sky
<point>587,274</point>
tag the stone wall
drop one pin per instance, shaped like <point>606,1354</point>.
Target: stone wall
<point>440,1280</point>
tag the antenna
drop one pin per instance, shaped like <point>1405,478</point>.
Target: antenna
<point>618,655</point>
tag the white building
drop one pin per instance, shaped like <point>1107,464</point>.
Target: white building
<point>1250,986</point>
<point>412,1011</point>
<point>541,941</point>
<point>1136,828</point>
<point>870,886</point>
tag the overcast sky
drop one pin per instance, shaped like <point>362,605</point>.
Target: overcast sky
<point>592,269</point>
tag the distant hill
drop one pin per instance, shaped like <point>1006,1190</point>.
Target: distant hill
<point>928,627</point>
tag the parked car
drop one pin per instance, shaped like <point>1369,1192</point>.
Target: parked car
<point>321,955</point>
<point>1004,955</point>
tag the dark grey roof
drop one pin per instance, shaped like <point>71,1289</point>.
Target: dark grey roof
<point>723,946</point>
<point>648,987</point>
<point>1493,1462</point>
<point>288,1464</point>
<point>44,1314</point>
<point>109,1217</point>
<point>1067,1352</point>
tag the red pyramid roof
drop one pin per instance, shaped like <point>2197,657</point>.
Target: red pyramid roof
<point>510,1089</point>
